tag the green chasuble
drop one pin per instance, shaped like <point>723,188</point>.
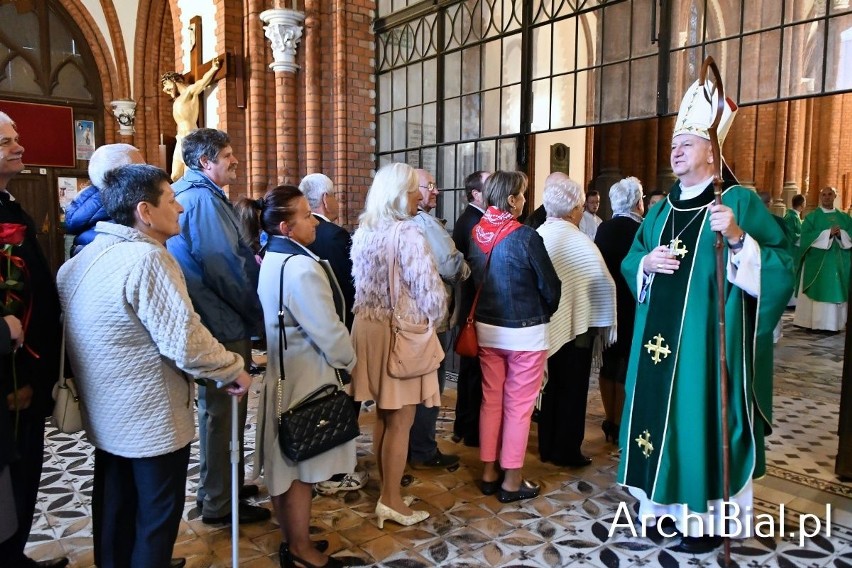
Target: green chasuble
<point>794,230</point>
<point>794,224</point>
<point>671,428</point>
<point>825,272</point>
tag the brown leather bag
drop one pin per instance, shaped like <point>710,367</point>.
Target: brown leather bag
<point>467,344</point>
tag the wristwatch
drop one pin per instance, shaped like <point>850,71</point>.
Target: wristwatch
<point>737,246</point>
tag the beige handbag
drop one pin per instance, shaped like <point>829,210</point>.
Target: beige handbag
<point>67,414</point>
<point>414,349</point>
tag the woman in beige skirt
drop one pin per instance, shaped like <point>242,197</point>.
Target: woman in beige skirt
<point>391,202</point>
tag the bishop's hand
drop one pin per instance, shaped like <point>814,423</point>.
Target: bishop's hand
<point>660,260</point>
<point>722,220</point>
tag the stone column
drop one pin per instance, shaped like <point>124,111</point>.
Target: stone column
<point>259,177</point>
<point>793,159</point>
<point>776,182</point>
<point>828,144</point>
<point>811,199</point>
<point>742,156</point>
<point>284,30</point>
<point>341,119</point>
<point>313,90</point>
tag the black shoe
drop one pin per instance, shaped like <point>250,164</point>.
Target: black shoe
<point>577,461</point>
<point>248,514</point>
<point>527,490</point>
<point>439,460</point>
<point>698,544</point>
<point>491,487</point>
<point>288,560</point>
<point>246,492</point>
<point>610,430</point>
<point>320,545</point>
<point>177,563</point>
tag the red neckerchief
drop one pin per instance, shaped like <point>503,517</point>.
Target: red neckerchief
<point>494,226</point>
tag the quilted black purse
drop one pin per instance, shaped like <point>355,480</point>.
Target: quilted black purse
<point>319,422</point>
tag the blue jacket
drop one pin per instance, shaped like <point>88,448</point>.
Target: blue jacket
<point>82,215</point>
<point>219,266</point>
<point>521,288</point>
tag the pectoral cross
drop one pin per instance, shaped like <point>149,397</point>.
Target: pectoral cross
<point>644,442</point>
<point>676,248</point>
<point>657,348</point>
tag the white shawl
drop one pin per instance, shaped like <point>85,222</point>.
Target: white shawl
<point>588,290</point>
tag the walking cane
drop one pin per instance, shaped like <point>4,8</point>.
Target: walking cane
<point>235,482</point>
<point>720,286</point>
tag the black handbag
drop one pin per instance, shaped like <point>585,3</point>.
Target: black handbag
<point>322,420</point>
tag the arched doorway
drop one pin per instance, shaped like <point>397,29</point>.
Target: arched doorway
<point>46,59</point>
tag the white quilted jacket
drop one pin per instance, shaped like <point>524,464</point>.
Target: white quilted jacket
<point>130,329</point>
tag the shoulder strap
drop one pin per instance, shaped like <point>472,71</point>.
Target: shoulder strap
<point>282,344</point>
<point>484,274</point>
<point>73,293</point>
<point>393,265</point>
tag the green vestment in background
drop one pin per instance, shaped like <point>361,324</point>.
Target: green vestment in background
<point>825,272</point>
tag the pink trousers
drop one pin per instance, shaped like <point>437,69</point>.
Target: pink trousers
<point>510,384</point>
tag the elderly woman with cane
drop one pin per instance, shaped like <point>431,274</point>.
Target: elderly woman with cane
<point>132,338</point>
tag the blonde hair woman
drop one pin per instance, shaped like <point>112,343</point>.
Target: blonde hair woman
<point>387,225</point>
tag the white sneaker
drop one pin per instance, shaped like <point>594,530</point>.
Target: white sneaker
<point>350,482</point>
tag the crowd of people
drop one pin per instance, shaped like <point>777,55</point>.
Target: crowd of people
<point>168,284</point>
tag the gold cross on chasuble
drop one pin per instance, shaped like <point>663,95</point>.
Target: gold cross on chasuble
<point>676,248</point>
<point>644,442</point>
<point>657,348</point>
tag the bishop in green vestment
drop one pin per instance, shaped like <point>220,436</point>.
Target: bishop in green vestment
<point>671,428</point>
<point>823,276</point>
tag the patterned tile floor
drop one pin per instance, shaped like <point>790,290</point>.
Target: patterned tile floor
<point>570,523</point>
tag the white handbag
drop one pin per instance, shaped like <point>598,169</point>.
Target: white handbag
<point>67,411</point>
<point>67,414</point>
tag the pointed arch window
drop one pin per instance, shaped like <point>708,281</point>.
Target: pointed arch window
<point>42,56</point>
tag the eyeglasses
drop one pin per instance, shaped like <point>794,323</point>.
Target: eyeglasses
<point>430,186</point>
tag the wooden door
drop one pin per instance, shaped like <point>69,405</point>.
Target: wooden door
<point>37,195</point>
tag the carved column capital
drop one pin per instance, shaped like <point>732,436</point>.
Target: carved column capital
<point>124,111</point>
<point>284,30</point>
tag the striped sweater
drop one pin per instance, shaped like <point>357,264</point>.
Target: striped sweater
<point>588,290</point>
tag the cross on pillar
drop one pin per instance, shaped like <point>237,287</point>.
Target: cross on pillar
<point>657,348</point>
<point>676,248</point>
<point>644,442</point>
<point>197,67</point>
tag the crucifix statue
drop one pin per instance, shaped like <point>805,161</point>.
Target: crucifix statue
<point>186,91</point>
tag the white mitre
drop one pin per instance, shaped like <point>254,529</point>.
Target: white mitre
<point>698,109</point>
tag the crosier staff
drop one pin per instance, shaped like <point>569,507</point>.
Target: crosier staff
<point>709,64</point>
